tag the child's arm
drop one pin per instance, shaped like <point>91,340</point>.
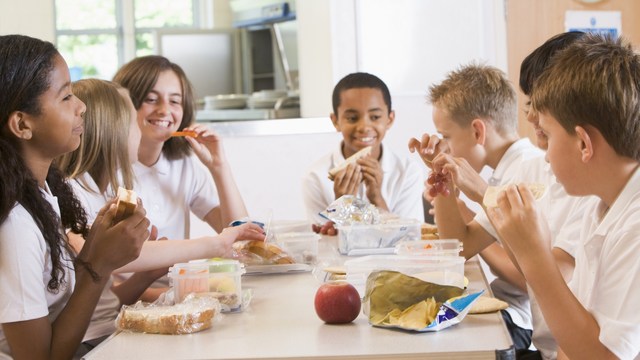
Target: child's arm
<point>465,178</point>
<point>525,232</point>
<point>451,225</point>
<point>108,247</point>
<point>208,147</point>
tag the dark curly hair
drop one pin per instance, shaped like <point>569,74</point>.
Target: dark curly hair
<point>25,67</point>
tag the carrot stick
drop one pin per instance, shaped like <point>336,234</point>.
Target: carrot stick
<point>184,133</point>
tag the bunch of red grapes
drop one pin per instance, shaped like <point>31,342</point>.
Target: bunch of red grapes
<point>438,182</point>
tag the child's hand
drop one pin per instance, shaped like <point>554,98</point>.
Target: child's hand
<point>110,247</point>
<point>347,182</point>
<point>465,178</point>
<point>372,176</point>
<point>428,148</point>
<point>518,222</point>
<point>248,231</point>
<point>207,145</point>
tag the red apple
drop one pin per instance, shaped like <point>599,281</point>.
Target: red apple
<point>337,302</point>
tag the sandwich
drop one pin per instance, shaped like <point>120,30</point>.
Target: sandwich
<point>490,198</point>
<point>266,253</point>
<point>351,160</point>
<point>183,318</point>
<point>125,205</point>
<point>428,232</point>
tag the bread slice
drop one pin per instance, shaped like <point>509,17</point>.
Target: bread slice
<point>270,253</point>
<point>126,204</point>
<point>183,318</point>
<point>352,159</point>
<point>490,198</point>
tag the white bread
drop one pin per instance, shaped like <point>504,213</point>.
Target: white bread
<point>428,232</point>
<point>490,198</point>
<point>352,159</point>
<point>183,318</point>
<point>269,253</point>
<point>126,204</point>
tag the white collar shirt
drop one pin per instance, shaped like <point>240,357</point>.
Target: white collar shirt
<point>606,279</point>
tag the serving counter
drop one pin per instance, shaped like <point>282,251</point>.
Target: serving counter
<point>281,323</point>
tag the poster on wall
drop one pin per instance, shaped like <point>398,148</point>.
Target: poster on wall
<point>602,22</point>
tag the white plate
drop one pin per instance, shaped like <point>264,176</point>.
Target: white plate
<point>277,269</point>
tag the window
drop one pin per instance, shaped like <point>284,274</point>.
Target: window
<point>97,36</point>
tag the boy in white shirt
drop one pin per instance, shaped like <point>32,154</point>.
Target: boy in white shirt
<point>362,113</point>
<point>588,103</point>
<point>474,110</point>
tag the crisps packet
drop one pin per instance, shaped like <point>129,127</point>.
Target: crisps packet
<point>396,300</point>
<point>348,210</point>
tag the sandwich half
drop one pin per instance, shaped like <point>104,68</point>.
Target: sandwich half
<point>350,160</point>
<point>125,205</point>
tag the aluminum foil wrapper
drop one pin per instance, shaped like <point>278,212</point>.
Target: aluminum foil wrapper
<point>349,210</point>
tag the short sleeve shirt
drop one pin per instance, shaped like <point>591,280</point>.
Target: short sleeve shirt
<point>402,185</point>
<point>25,271</point>
<point>606,278</point>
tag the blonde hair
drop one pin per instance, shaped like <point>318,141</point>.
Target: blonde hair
<point>477,91</point>
<point>104,149</point>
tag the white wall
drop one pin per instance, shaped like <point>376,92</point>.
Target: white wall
<point>27,17</point>
<point>408,43</point>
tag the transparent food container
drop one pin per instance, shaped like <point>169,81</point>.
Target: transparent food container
<point>442,270</point>
<point>441,247</point>
<point>301,246</point>
<point>217,278</point>
<point>363,239</point>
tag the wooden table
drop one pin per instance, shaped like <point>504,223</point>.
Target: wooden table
<point>281,323</point>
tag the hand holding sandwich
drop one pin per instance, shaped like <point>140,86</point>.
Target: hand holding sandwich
<point>519,223</point>
<point>111,245</point>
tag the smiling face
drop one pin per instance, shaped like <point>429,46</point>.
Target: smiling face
<point>363,118</point>
<point>161,110</point>
<point>460,141</point>
<point>57,129</point>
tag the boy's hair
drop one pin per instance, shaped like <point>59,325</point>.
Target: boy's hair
<point>477,91</point>
<point>140,75</point>
<point>595,82</point>
<point>104,147</point>
<point>360,80</point>
<point>535,63</point>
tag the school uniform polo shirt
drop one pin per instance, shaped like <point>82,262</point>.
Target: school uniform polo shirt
<point>520,151</point>
<point>402,185</point>
<point>606,279</point>
<point>25,271</point>
<point>171,189</point>
<point>564,215</point>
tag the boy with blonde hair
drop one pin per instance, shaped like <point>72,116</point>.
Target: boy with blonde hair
<point>474,110</point>
<point>588,103</point>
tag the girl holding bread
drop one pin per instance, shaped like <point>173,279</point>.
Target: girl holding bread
<point>48,291</point>
<point>101,164</point>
